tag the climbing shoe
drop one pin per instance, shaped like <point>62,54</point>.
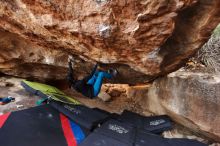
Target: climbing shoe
<point>113,72</point>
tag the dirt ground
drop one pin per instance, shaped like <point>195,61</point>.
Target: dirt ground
<point>10,86</point>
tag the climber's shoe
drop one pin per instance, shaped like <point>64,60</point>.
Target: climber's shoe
<point>113,72</point>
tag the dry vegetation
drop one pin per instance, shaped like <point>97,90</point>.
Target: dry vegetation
<point>209,54</point>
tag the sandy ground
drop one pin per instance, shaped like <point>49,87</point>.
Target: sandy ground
<point>10,86</point>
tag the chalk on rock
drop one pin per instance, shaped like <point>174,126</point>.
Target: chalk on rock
<point>101,1</point>
<point>104,30</point>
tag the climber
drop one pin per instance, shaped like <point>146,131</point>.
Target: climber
<point>90,85</point>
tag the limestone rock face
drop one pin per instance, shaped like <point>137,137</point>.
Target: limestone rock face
<point>142,39</point>
<point>191,99</point>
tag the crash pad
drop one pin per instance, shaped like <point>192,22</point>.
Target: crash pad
<point>47,91</point>
<point>39,126</point>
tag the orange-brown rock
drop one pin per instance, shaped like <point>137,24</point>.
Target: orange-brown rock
<point>189,98</point>
<point>142,39</point>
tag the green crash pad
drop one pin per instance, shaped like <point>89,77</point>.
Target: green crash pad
<point>46,91</point>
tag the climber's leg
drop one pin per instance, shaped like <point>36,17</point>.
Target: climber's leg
<point>93,79</point>
<point>98,82</point>
<point>69,76</point>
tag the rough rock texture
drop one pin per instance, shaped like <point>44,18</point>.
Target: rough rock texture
<point>131,35</point>
<point>190,98</point>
